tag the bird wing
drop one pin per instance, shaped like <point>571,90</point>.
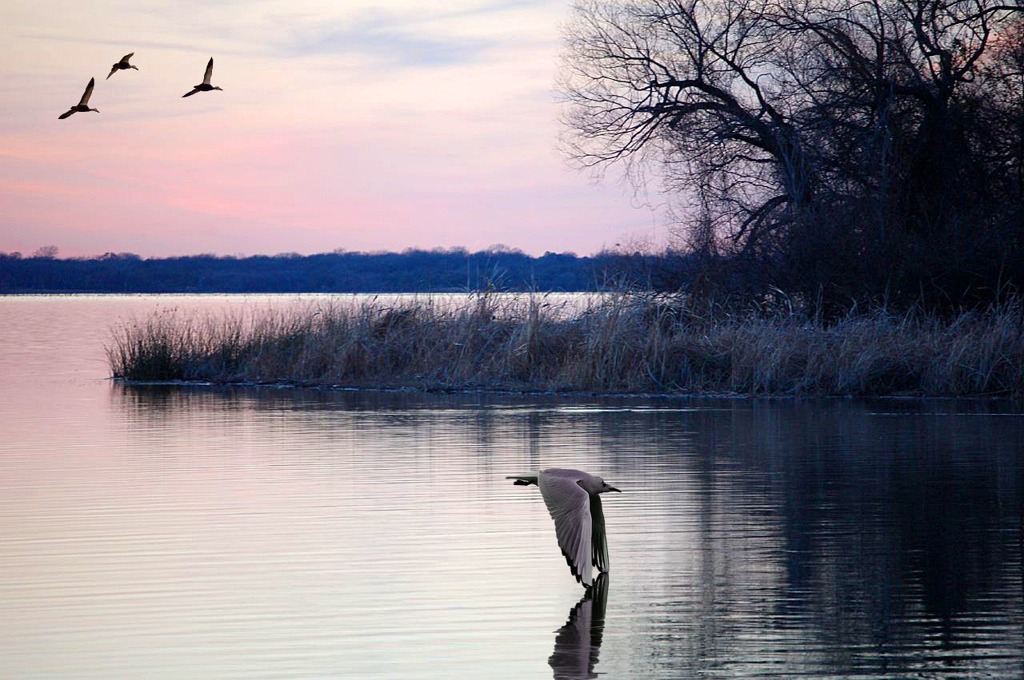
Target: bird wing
<point>128,56</point>
<point>88,92</point>
<point>189,94</point>
<point>600,538</point>
<point>569,505</point>
<point>209,72</point>
<point>113,70</point>
<point>66,114</point>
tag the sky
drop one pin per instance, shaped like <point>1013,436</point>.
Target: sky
<point>360,126</point>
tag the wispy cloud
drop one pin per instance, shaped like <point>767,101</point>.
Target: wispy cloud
<point>117,43</point>
<point>387,39</point>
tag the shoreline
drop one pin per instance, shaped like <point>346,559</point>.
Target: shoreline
<point>569,394</point>
<point>613,345</point>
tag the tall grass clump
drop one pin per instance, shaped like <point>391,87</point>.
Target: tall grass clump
<point>159,348</point>
<point>610,343</point>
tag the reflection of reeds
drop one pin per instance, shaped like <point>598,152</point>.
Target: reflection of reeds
<point>613,343</point>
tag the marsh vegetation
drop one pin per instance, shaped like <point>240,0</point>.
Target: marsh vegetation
<point>612,343</point>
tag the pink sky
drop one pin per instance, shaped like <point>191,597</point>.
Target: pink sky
<point>357,125</point>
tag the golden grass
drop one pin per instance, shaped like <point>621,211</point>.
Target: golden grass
<point>616,343</point>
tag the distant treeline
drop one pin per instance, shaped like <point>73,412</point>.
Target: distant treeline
<point>347,272</point>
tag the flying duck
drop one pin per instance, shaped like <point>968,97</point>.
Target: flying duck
<point>83,105</point>
<point>205,85</point>
<point>122,65</point>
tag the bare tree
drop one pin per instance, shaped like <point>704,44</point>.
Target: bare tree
<point>809,128</point>
<point>693,85</point>
<point>46,252</point>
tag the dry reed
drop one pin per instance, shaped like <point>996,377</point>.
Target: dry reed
<point>616,343</point>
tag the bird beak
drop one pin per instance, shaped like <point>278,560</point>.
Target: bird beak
<point>612,488</point>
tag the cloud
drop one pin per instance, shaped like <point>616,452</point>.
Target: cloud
<point>116,43</point>
<point>388,40</point>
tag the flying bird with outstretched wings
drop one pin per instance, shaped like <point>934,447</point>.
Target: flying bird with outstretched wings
<point>204,86</point>
<point>122,65</point>
<point>573,500</point>
<point>83,104</point>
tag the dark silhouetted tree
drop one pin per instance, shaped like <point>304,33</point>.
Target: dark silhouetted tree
<point>846,149</point>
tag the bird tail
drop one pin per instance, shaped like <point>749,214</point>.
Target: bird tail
<point>523,480</point>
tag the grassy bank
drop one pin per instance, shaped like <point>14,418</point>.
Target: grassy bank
<point>614,344</point>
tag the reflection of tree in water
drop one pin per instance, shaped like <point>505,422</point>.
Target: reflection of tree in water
<point>815,537</point>
<point>916,503</point>
<point>578,642</point>
<point>884,536</point>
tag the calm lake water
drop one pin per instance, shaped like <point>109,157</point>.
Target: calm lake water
<point>155,532</point>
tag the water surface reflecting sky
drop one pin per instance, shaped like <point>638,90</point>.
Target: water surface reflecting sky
<point>195,532</point>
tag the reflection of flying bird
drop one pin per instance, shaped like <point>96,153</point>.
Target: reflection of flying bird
<point>572,499</point>
<point>205,85</point>
<point>578,642</point>
<point>122,65</point>
<point>83,105</point>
